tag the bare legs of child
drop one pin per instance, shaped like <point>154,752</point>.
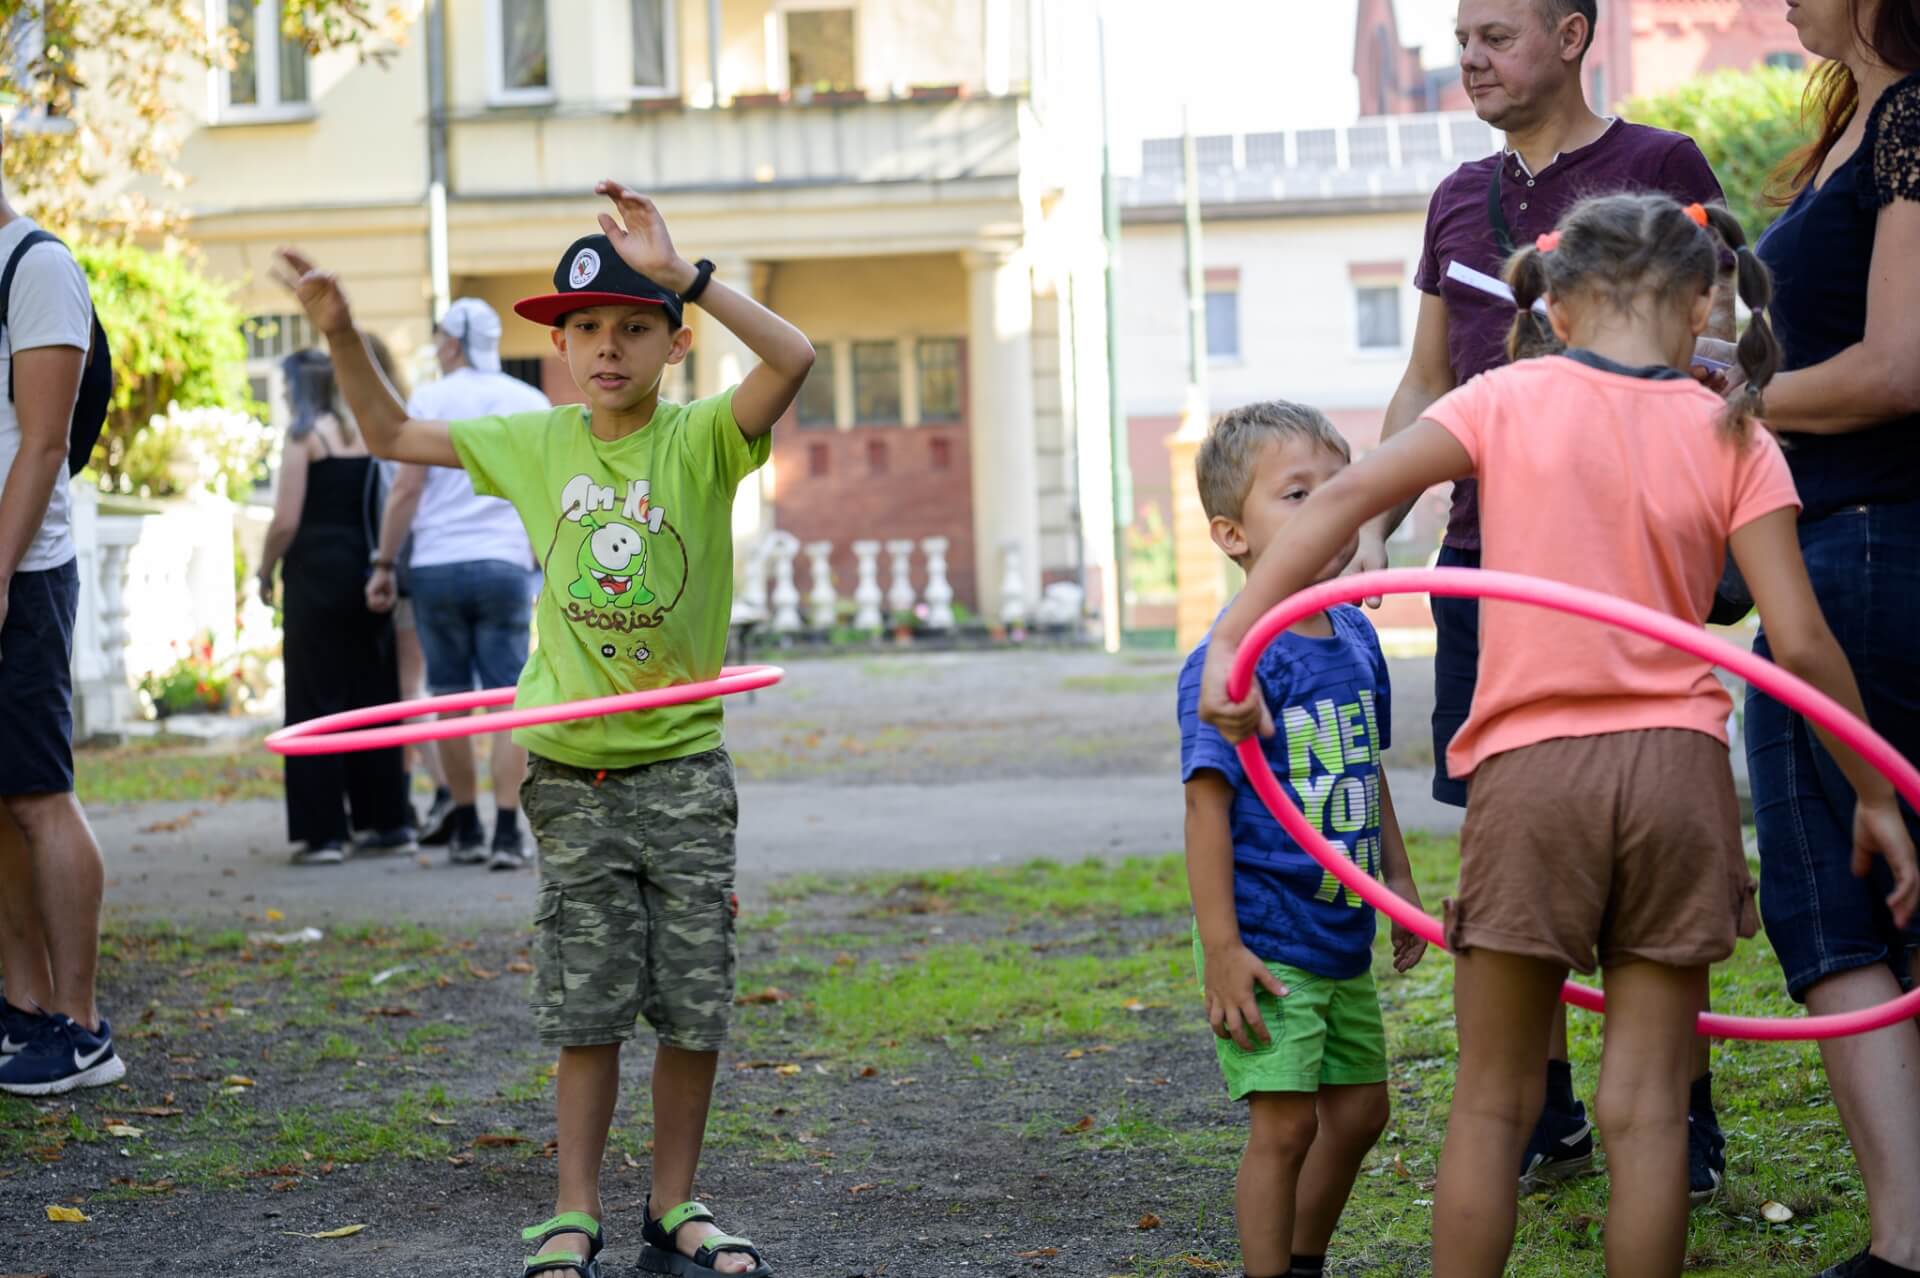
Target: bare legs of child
<point>1503,1004</point>
<point>1303,1151</point>
<point>587,1086</point>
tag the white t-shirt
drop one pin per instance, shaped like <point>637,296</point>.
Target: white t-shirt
<point>453,525</point>
<point>50,306</point>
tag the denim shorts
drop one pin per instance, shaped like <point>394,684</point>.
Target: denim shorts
<point>474,620</point>
<point>1865,566</point>
<point>36,682</point>
<point>1456,669</point>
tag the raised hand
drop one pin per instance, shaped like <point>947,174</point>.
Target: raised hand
<point>640,237</point>
<point>318,291</point>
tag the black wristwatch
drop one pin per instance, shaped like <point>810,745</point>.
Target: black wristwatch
<point>702,272</point>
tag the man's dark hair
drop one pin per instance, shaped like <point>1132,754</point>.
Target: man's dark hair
<point>1554,12</point>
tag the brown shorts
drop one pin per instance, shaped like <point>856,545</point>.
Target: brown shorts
<point>1628,843</point>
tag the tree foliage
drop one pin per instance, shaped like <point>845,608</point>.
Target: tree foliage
<point>176,342</point>
<point>1746,123</point>
<point>95,93</point>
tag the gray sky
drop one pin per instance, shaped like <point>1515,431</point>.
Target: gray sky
<point>1245,65</point>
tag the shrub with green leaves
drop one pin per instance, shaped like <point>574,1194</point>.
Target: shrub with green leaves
<point>176,345</point>
<point>1746,123</point>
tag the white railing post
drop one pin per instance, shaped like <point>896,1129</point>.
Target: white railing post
<point>821,598</point>
<point>939,591</point>
<point>786,596</point>
<point>1013,586</point>
<point>866,595</point>
<point>900,591</point>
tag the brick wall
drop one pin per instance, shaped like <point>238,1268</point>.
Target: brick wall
<point>832,485</point>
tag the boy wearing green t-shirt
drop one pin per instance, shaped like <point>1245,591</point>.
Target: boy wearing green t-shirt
<point>628,502</point>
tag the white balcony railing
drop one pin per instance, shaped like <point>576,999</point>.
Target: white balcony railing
<point>1403,155</point>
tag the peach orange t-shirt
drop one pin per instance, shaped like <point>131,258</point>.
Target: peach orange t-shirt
<point>1619,480</point>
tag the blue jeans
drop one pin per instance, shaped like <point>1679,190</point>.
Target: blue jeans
<point>1865,566</point>
<point>474,620</point>
<point>1456,670</point>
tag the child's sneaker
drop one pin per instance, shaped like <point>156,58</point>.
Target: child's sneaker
<point>61,1057</point>
<point>1562,1146</point>
<point>1706,1158</point>
<point>18,1028</point>
<point>438,826</point>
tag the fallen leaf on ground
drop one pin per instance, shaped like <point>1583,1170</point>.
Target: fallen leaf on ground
<point>169,827</point>
<point>1074,1053</point>
<point>480,973</point>
<point>862,1188</point>
<point>67,1215</point>
<point>387,974</point>
<point>1148,1221</point>
<point>1084,1125</point>
<point>123,1131</point>
<point>1134,1005</point>
<point>772,994</point>
<point>1776,1213</point>
<point>438,1121</point>
<point>868,1071</point>
<point>391,1011</point>
<point>345,1231</point>
<point>1038,1253</point>
<point>494,1140</point>
<point>460,1160</point>
<point>520,967</point>
<point>238,1080</point>
<point>786,1070</point>
<point>275,916</point>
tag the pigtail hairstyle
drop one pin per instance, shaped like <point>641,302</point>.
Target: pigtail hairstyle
<point>1531,334</point>
<point>1759,352</point>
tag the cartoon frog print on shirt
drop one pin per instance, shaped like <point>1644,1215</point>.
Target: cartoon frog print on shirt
<point>613,565</point>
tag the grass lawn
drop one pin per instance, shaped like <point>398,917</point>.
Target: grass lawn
<point>1037,1027</point>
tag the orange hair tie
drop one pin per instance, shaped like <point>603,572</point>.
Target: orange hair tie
<point>1697,214</point>
<point>1547,243</point>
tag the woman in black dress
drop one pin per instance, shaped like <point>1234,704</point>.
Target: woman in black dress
<point>339,654</point>
<point>1845,257</point>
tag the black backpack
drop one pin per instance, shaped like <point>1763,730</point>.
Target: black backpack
<point>96,379</point>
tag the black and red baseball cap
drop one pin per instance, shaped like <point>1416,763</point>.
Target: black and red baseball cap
<point>591,273</point>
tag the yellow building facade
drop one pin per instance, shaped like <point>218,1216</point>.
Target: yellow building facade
<point>915,183</point>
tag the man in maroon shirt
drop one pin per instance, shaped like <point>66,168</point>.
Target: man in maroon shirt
<point>1520,61</point>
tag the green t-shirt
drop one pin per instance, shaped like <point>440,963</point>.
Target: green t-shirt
<point>635,542</point>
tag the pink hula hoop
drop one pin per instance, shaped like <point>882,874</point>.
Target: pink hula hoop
<point>1690,638</point>
<point>348,731</point>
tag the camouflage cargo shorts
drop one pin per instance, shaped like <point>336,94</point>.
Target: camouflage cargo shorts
<point>635,915</point>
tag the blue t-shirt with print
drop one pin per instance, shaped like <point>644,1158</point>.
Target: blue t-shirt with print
<point>1332,711</point>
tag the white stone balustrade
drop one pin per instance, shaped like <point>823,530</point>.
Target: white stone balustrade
<point>783,546</point>
<point>939,589</point>
<point>866,595</point>
<point>1013,585</point>
<point>900,591</point>
<point>821,600</point>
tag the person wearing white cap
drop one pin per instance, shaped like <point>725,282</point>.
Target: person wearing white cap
<point>473,576</point>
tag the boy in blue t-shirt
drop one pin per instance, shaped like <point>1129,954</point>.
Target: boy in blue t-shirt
<point>1284,952</point>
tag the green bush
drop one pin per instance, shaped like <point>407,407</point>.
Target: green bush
<point>1746,123</point>
<point>176,344</point>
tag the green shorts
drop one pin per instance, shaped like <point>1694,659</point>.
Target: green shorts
<point>635,915</point>
<point>1326,1033</point>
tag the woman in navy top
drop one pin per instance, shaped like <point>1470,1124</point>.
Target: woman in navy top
<point>1846,263</point>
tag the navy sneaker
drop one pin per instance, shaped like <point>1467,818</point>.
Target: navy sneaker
<point>395,842</point>
<point>1848,1267</point>
<point>438,826</point>
<point>18,1028</point>
<point>1706,1157</point>
<point>1561,1146</point>
<point>61,1057</point>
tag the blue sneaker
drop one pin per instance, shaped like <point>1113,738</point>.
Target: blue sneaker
<point>1562,1146</point>
<point>18,1028</point>
<point>61,1057</point>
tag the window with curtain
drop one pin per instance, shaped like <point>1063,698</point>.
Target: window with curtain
<point>814,405</point>
<point>1378,309</point>
<point>263,82</point>
<point>937,368</point>
<point>652,54</point>
<point>876,384</point>
<point>523,45</point>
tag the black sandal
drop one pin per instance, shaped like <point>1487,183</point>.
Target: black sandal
<point>567,1222</point>
<point>660,1256</point>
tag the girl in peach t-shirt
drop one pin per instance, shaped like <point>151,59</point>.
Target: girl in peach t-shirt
<point>1603,829</point>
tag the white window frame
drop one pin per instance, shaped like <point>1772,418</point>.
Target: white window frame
<point>266,69</point>
<point>1384,285</point>
<point>779,77</point>
<point>670,38</point>
<point>1238,353</point>
<point>498,94</point>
